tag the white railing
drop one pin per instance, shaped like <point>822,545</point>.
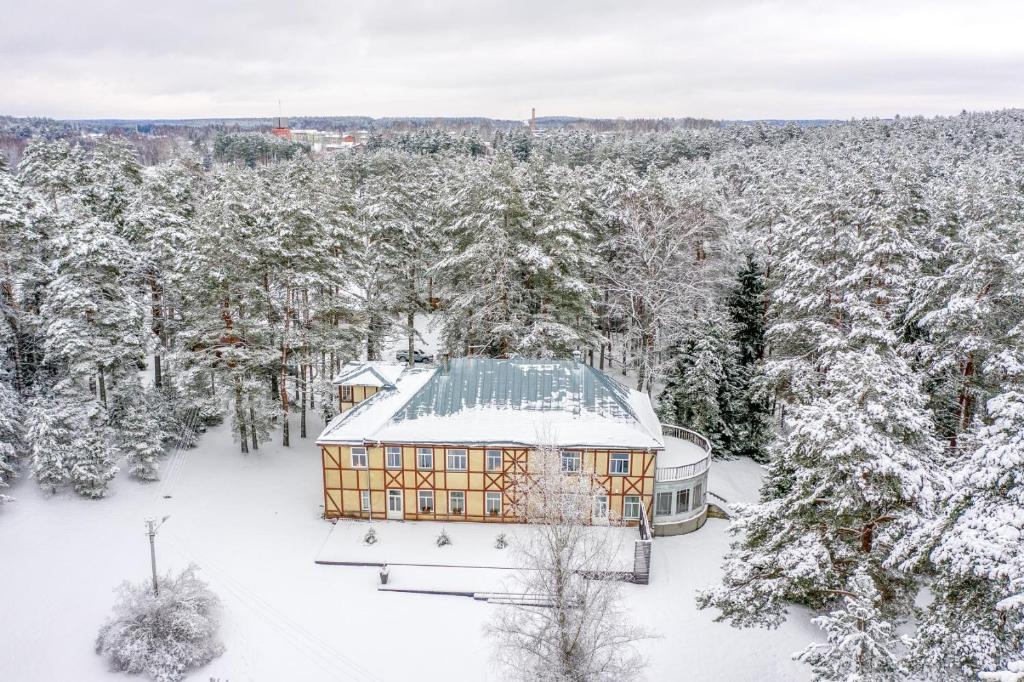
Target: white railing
<point>686,470</point>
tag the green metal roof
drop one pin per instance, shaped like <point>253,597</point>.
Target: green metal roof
<point>518,384</point>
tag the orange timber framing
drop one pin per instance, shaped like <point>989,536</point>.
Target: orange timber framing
<point>344,484</point>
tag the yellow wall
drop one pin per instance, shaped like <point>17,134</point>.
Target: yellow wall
<point>359,394</point>
<point>343,484</point>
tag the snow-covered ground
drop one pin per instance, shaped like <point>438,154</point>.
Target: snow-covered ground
<point>252,525</point>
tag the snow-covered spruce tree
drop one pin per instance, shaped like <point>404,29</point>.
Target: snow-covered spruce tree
<point>703,389</point>
<point>162,635</point>
<point>861,644</point>
<point>11,432</point>
<point>51,421</point>
<point>751,425</point>
<point>94,452</point>
<point>976,620</point>
<point>142,429</point>
<point>582,633</point>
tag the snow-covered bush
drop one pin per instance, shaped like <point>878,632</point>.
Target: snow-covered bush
<point>162,635</point>
<point>501,542</point>
<point>443,538</point>
<point>371,536</point>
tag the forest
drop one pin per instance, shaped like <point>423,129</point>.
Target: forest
<point>844,303</point>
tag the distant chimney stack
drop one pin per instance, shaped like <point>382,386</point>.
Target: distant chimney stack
<point>533,120</point>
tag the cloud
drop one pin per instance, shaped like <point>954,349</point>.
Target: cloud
<point>738,59</point>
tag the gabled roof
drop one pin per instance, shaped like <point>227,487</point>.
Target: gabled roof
<point>503,402</point>
<point>379,374</point>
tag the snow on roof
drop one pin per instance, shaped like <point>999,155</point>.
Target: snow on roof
<point>379,374</point>
<point>358,424</point>
<point>505,402</point>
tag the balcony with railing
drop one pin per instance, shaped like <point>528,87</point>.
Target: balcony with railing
<point>687,454</point>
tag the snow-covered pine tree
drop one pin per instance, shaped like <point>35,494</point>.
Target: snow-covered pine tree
<point>976,620</point>
<point>845,484</point>
<point>51,420</point>
<point>861,644</point>
<point>482,281</point>
<point>560,264</point>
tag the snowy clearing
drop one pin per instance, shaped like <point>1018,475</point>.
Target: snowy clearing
<point>252,525</point>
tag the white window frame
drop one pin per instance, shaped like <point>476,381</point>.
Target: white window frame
<point>698,496</point>
<point>388,452</point>
<point>347,395</point>
<point>422,495</point>
<point>600,510</point>
<point>489,498</point>
<point>424,452</point>
<point>364,500</point>
<point>458,453</point>
<point>488,454</point>
<point>682,509</point>
<point>658,511</point>
<point>569,456</point>
<point>631,507</point>
<point>458,493</point>
<point>360,453</point>
<point>614,465</point>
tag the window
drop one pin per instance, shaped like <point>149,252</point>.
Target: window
<point>601,507</point>
<point>619,464</point>
<point>456,502</point>
<point>570,460</point>
<point>457,460</point>
<point>494,460</point>
<point>682,501</point>
<point>631,507</point>
<point>358,458</point>
<point>364,500</point>
<point>663,504</point>
<point>492,504</point>
<point>424,458</point>
<point>346,394</point>
<point>394,458</point>
<point>425,500</point>
<point>698,495</point>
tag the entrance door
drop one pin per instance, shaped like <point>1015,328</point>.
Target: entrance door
<point>395,504</point>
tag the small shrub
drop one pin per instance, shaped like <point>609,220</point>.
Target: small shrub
<point>371,536</point>
<point>501,542</point>
<point>162,635</point>
<point>443,539</point>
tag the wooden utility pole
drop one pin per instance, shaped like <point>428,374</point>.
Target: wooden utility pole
<point>151,528</point>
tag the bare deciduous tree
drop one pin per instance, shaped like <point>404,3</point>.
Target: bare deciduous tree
<point>571,627</point>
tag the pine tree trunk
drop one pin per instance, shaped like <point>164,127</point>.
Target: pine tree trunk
<point>158,328</point>
<point>102,385</point>
<point>411,322</point>
<point>302,401</point>
<point>252,428</point>
<point>240,415</point>
<point>285,430</point>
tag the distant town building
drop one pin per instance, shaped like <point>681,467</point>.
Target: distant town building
<point>281,128</point>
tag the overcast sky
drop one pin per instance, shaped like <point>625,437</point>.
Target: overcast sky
<point>735,59</point>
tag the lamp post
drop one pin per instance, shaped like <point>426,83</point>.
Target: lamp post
<point>151,528</point>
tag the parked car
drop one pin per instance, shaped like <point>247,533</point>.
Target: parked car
<point>417,356</point>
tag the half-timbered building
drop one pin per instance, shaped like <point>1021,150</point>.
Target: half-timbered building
<point>445,442</point>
